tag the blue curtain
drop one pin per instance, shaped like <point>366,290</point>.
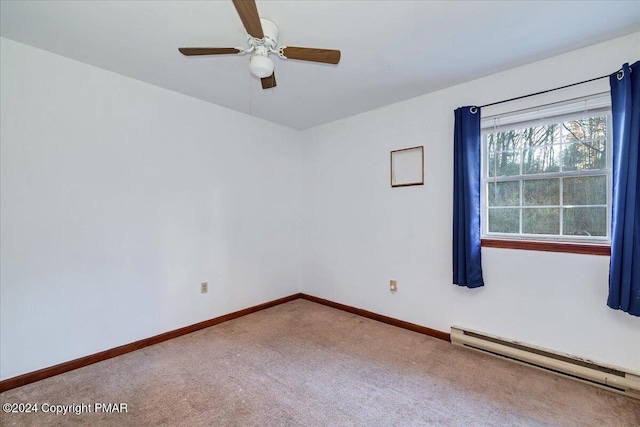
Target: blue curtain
<point>624,268</point>
<point>467,266</point>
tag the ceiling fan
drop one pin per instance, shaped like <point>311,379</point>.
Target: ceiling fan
<point>263,40</point>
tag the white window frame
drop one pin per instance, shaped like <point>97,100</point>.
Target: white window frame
<point>599,104</point>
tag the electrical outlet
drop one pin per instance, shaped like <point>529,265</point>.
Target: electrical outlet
<point>393,285</point>
<point>204,287</point>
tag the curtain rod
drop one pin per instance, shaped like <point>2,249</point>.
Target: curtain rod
<point>544,91</point>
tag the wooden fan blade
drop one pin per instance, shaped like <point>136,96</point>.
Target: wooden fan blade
<point>192,51</point>
<point>269,82</point>
<point>326,56</point>
<point>250,19</point>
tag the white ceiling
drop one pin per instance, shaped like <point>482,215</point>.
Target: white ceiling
<point>391,50</point>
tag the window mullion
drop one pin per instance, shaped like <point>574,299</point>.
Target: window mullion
<point>561,184</point>
<point>561,198</point>
<point>520,207</point>
<point>521,186</point>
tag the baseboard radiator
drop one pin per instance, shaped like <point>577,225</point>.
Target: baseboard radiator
<point>607,377</point>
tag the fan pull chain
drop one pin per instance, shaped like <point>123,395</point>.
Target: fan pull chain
<point>250,95</point>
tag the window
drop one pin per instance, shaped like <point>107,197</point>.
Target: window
<point>546,174</point>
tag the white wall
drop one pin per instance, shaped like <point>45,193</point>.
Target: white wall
<point>119,198</point>
<point>360,233</point>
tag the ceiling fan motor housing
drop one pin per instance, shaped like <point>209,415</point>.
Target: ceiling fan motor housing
<point>270,31</point>
<point>270,40</point>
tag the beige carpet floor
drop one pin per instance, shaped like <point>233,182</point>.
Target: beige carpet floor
<point>304,364</point>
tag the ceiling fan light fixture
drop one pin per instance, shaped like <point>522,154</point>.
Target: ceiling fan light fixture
<point>261,66</point>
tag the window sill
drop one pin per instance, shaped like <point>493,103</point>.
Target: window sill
<point>574,248</point>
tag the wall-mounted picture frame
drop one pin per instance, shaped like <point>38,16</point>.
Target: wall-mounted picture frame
<point>407,167</point>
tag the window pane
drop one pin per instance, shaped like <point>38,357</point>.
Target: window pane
<point>539,136</point>
<point>586,190</point>
<point>585,129</point>
<point>504,163</point>
<point>503,141</point>
<point>504,193</point>
<point>584,155</point>
<point>541,192</point>
<point>585,221</point>
<point>504,220</point>
<point>541,160</point>
<point>541,221</point>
